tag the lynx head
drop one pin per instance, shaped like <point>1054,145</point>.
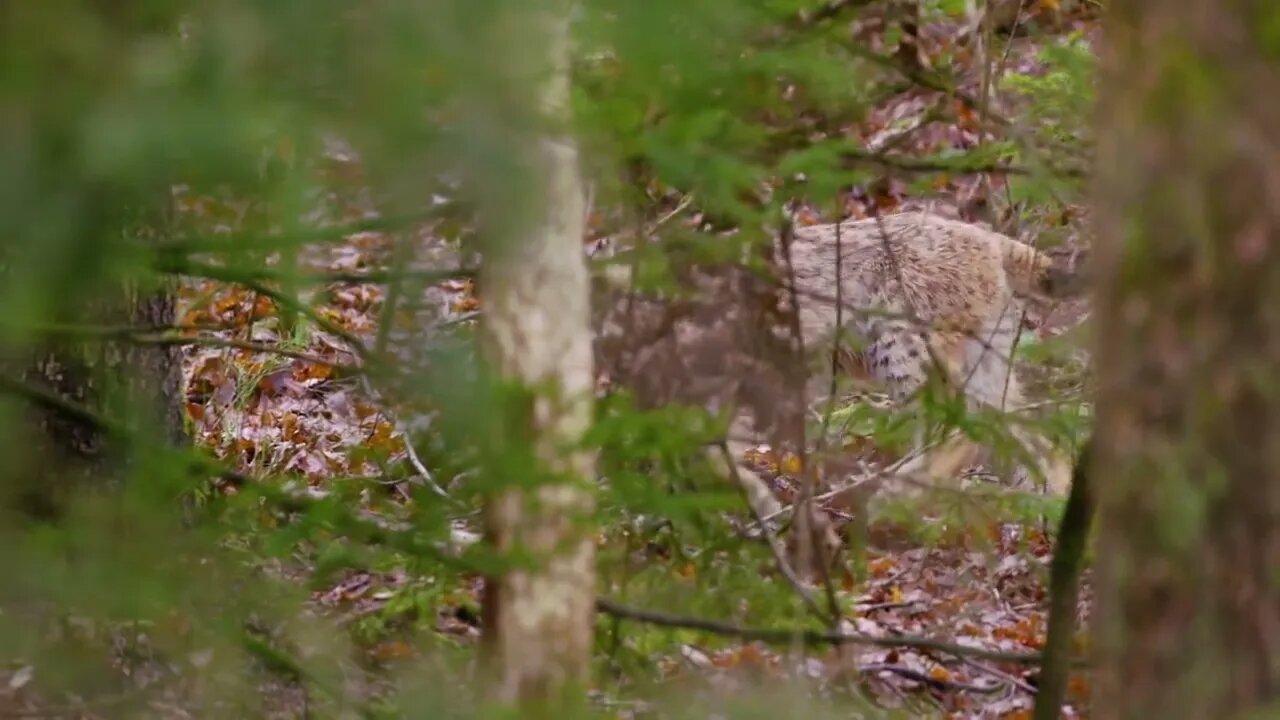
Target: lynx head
<point>1060,281</point>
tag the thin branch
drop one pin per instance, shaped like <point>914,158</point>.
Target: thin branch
<point>925,79</point>
<point>927,679</point>
<point>85,707</point>
<point>785,636</point>
<point>803,519</point>
<point>245,241</point>
<point>685,200</point>
<point>957,166</point>
<point>52,401</point>
<point>805,501</point>
<point>288,302</point>
<point>291,303</point>
<point>806,20</point>
<point>173,335</point>
<point>184,266</point>
<point>1009,678</point>
<point>215,342</point>
<point>402,254</point>
<point>99,332</point>
<point>588,205</point>
<point>357,528</point>
<point>364,277</point>
<point>1064,586</point>
<point>410,452</point>
<point>829,10</point>
<point>779,557</point>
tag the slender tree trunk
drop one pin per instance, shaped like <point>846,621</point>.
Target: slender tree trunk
<point>538,617</point>
<point>1188,443</point>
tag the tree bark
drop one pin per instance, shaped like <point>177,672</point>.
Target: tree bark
<point>91,403</point>
<point>538,617</point>
<point>1188,437</point>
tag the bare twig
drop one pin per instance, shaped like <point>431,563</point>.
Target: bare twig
<point>779,558</point>
<point>924,79</point>
<point>249,280</point>
<point>875,607</point>
<point>1064,587</point>
<point>588,205</point>
<point>912,674</point>
<point>805,516</point>
<point>666,217</point>
<point>246,345</point>
<point>806,500</point>
<point>86,707</point>
<point>324,278</point>
<point>52,401</point>
<point>827,11</point>
<point>806,20</point>
<point>958,166</point>
<point>410,452</point>
<point>240,242</point>
<point>787,636</point>
<point>1009,678</point>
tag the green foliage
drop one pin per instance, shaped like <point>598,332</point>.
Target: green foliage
<point>694,95</point>
<point>1059,102</point>
<point>1268,29</point>
<point>1063,93</point>
<point>114,117</point>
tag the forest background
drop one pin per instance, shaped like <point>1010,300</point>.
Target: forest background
<point>283,282</point>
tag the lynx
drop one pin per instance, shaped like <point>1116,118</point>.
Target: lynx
<point>922,295</point>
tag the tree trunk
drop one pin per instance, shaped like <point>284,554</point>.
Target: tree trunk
<point>78,391</point>
<point>538,617</point>
<point>1188,443</point>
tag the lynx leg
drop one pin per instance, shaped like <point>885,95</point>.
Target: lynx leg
<point>899,358</point>
<point>1052,466</point>
<point>902,359</point>
<point>941,464</point>
<point>996,386</point>
<point>1056,467</point>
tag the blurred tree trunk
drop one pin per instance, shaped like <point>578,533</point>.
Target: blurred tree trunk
<point>74,242</point>
<point>535,332</point>
<point>1188,441</point>
<point>117,383</point>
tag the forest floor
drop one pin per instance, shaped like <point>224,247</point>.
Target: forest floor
<point>304,414</point>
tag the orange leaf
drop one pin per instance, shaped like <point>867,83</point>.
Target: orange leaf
<point>381,436</point>
<point>807,217</point>
<point>1077,686</point>
<point>751,655</point>
<point>466,304</point>
<point>263,306</point>
<point>886,202</point>
<point>881,566</point>
<point>791,464</point>
<point>304,371</point>
<point>847,581</point>
<point>393,650</point>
